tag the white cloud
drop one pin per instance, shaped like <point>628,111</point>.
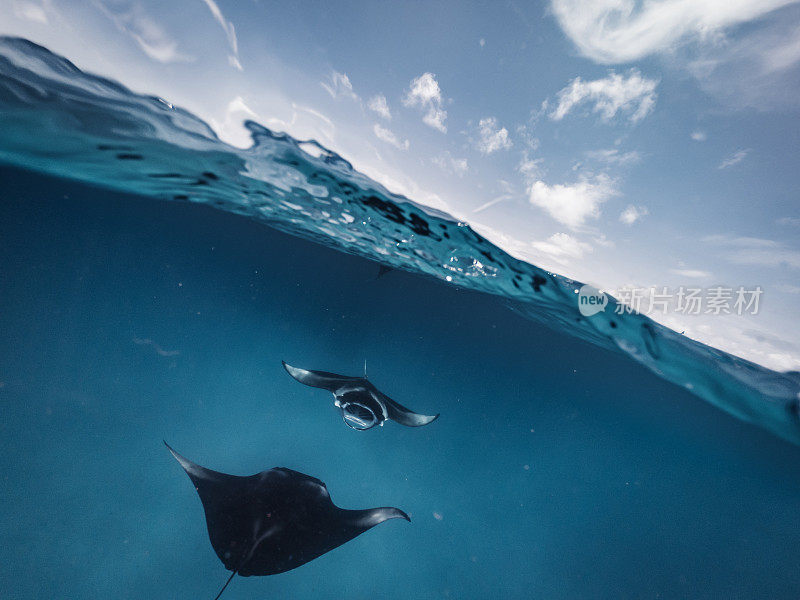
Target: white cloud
<point>379,105</point>
<point>746,66</point>
<point>482,42</point>
<point>734,159</point>
<point>632,94</point>
<point>230,33</point>
<point>699,136</point>
<point>691,273</point>
<point>572,204</point>
<point>131,18</point>
<point>791,221</point>
<point>755,251</point>
<point>619,31</point>
<point>530,168</point>
<point>340,86</point>
<point>562,247</point>
<point>632,213</point>
<point>424,93</point>
<point>389,137</point>
<point>450,164</point>
<point>613,156</point>
<point>32,11</point>
<point>492,137</point>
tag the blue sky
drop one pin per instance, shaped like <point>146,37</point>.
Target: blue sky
<point>618,142</point>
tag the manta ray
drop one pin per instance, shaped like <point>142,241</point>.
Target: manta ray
<point>276,520</point>
<point>362,404</point>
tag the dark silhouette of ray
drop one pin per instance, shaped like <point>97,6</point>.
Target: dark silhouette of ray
<point>276,520</point>
<point>362,404</point>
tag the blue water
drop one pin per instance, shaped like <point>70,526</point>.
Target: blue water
<point>560,468</point>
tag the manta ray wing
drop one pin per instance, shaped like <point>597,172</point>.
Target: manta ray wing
<point>320,379</point>
<point>398,412</point>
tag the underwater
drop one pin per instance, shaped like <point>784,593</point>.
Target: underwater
<point>370,398</point>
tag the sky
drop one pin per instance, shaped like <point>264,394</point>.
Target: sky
<point>630,145</point>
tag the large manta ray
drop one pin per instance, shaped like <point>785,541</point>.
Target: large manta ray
<point>276,520</point>
<point>362,404</point>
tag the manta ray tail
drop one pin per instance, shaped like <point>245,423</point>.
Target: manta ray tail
<point>224,586</point>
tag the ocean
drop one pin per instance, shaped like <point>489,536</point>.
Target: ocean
<point>152,281</point>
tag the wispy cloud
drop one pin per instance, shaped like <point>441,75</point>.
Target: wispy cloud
<point>791,221</point>
<point>492,137</point>
<point>699,136</point>
<point>530,168</point>
<point>508,193</point>
<point>734,159</point>
<point>131,19</point>
<point>632,94</point>
<point>32,11</point>
<point>758,68</point>
<point>612,156</point>
<point>230,33</point>
<point>572,204</point>
<point>339,86</point>
<point>524,133</point>
<point>691,273</point>
<point>632,213</point>
<point>745,66</point>
<point>424,93</point>
<point>774,341</point>
<point>389,137</point>
<point>379,105</point>
<point>450,164</point>
<point>619,31</point>
<point>755,251</point>
<point>492,203</point>
<point>740,241</point>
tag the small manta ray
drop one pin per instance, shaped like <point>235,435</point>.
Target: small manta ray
<point>362,404</point>
<point>276,520</point>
